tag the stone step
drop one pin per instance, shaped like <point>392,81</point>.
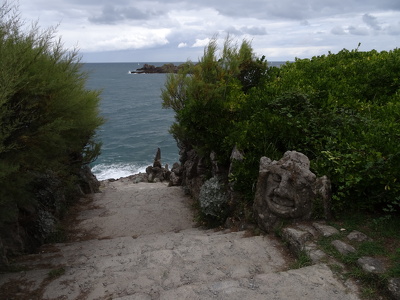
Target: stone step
<point>142,245</point>
<point>187,265</point>
<point>314,282</point>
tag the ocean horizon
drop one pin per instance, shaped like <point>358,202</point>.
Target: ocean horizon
<point>136,124</point>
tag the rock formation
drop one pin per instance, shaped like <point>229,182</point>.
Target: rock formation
<point>156,172</point>
<point>286,190</point>
<point>166,68</point>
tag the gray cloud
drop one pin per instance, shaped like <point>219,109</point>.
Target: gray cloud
<point>371,21</point>
<point>358,30</point>
<point>112,14</point>
<point>254,30</point>
<point>251,30</point>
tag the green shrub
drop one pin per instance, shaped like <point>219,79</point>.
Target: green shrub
<point>48,119</point>
<point>341,110</point>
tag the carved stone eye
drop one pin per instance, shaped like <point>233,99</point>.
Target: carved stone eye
<point>276,178</point>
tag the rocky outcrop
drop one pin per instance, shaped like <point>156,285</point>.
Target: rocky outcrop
<point>157,173</point>
<point>32,225</point>
<point>286,190</point>
<point>150,69</point>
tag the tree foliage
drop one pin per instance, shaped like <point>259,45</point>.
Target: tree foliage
<point>208,96</point>
<point>342,110</point>
<point>48,119</point>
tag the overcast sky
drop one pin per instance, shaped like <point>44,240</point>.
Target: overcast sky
<point>178,30</point>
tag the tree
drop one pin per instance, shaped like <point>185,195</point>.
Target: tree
<point>207,97</point>
<point>48,118</point>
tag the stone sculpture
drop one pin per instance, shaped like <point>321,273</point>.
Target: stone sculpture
<point>156,172</point>
<point>286,189</point>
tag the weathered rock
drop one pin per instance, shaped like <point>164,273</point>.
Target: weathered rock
<point>342,247</point>
<point>358,236</point>
<point>236,156</point>
<point>174,180</point>
<point>394,288</point>
<point>190,165</point>
<point>137,178</point>
<point>156,172</point>
<point>316,255</point>
<point>296,238</point>
<point>157,159</point>
<point>177,169</point>
<point>325,230</point>
<point>372,265</point>
<point>192,171</point>
<point>88,182</point>
<point>201,167</point>
<point>216,168</point>
<point>309,229</point>
<point>323,191</point>
<point>213,198</point>
<point>285,190</point>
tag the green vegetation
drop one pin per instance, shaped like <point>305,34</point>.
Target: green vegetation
<point>48,119</point>
<point>341,110</point>
<point>385,244</point>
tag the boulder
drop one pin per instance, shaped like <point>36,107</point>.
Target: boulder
<point>372,265</point>
<point>213,198</point>
<point>342,247</point>
<point>358,236</point>
<point>325,230</point>
<point>286,190</point>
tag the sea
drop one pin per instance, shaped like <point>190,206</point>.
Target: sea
<point>135,125</point>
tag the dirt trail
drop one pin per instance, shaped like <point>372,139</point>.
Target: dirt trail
<point>138,242</point>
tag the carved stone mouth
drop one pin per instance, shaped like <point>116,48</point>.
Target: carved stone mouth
<point>285,202</point>
<point>281,206</point>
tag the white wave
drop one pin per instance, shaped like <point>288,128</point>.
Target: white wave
<point>116,171</point>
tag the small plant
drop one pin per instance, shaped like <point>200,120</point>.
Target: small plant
<point>303,260</point>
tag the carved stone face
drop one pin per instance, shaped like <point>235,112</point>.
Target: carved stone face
<point>287,194</point>
<point>288,191</point>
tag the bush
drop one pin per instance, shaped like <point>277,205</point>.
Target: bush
<point>207,97</point>
<point>341,110</point>
<point>48,119</point>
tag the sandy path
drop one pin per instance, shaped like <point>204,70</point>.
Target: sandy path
<point>137,241</point>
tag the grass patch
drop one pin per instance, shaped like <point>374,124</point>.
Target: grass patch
<point>385,244</point>
<point>302,261</point>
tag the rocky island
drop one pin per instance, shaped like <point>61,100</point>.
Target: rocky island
<point>166,68</point>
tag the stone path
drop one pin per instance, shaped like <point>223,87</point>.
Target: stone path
<point>138,242</point>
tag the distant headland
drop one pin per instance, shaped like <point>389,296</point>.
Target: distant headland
<point>166,68</point>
